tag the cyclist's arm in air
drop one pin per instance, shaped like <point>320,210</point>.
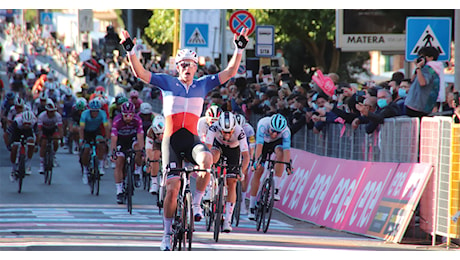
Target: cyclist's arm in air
<point>136,65</point>
<point>234,62</point>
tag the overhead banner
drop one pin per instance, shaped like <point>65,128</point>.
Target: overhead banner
<point>370,198</point>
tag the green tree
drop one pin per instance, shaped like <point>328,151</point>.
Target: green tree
<point>313,30</point>
<point>161,26</point>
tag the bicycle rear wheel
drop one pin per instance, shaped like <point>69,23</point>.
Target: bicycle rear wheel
<point>219,210</point>
<point>269,201</point>
<point>237,209</point>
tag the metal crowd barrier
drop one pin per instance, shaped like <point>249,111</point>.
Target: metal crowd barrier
<point>397,140</point>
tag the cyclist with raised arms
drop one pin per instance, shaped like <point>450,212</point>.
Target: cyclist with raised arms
<point>49,124</point>
<point>126,133</point>
<point>183,99</point>
<point>90,130</point>
<point>272,135</point>
<point>22,125</point>
<point>227,138</point>
<point>251,139</point>
<point>153,138</point>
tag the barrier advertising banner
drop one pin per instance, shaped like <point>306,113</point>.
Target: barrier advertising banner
<point>370,198</point>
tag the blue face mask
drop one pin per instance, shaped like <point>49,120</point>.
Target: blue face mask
<point>315,106</point>
<point>402,92</point>
<point>382,103</point>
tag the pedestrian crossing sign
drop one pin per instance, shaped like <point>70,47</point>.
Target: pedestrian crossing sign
<point>46,18</point>
<point>196,35</point>
<point>428,31</point>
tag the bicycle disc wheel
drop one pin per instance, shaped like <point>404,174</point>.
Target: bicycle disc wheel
<point>188,221</point>
<point>237,208</point>
<point>269,201</point>
<point>219,211</point>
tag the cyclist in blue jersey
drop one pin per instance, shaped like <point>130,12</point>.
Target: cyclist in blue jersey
<point>183,99</point>
<point>272,136</point>
<point>90,130</point>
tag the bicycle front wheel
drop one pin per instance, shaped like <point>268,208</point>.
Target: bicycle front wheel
<point>188,222</point>
<point>96,177</point>
<point>239,200</point>
<point>21,171</point>
<point>219,211</point>
<point>269,202</point>
<point>260,208</point>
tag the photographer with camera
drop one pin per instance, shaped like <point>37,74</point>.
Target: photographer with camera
<point>427,81</point>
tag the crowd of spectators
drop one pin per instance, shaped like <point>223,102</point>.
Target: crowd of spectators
<point>303,104</point>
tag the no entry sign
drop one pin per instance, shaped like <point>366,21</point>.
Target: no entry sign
<point>242,19</point>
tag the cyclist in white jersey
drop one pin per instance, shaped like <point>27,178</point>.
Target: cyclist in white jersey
<point>251,139</point>
<point>272,136</point>
<point>183,99</point>
<point>210,116</point>
<point>225,137</point>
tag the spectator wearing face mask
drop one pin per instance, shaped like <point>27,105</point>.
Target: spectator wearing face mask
<point>323,113</point>
<point>386,108</point>
<point>401,94</point>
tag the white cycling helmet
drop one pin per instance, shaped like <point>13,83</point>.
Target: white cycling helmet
<point>50,106</point>
<point>227,121</point>
<point>212,113</point>
<point>158,124</point>
<point>146,108</point>
<point>28,117</point>
<point>240,119</point>
<point>186,54</point>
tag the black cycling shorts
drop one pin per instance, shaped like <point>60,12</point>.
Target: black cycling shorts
<point>233,158</point>
<point>182,142</point>
<point>269,148</point>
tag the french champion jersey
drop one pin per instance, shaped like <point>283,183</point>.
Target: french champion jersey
<point>263,134</point>
<point>238,137</point>
<point>182,105</point>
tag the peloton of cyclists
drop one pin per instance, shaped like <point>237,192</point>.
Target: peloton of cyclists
<point>226,138</point>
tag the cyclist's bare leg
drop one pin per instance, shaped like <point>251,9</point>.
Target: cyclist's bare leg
<point>13,153</point>
<point>204,161</point>
<point>30,147</point>
<point>231,189</point>
<point>154,166</point>
<point>118,171</point>
<point>85,155</point>
<point>170,202</point>
<point>255,181</point>
<point>138,156</point>
<point>101,151</point>
<point>279,167</point>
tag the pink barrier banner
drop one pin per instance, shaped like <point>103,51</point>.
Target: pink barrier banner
<point>369,198</point>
